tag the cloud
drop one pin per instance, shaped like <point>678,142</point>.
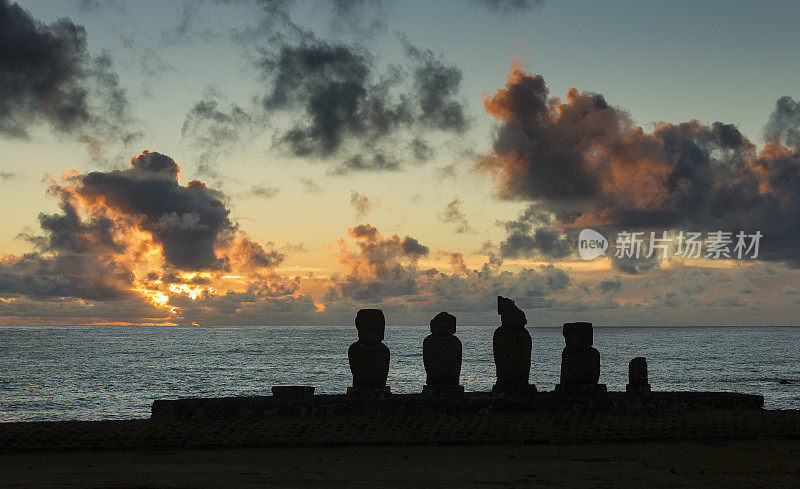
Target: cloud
<point>447,172</point>
<point>214,130</point>
<point>264,191</point>
<point>384,271</point>
<point>96,5</point>
<point>330,100</point>
<point>508,6</point>
<point>452,214</point>
<point>47,75</point>
<point>139,234</point>
<point>436,88</point>
<point>784,122</point>
<point>362,204</point>
<point>64,275</point>
<point>310,186</point>
<point>346,111</point>
<point>583,163</point>
<point>530,234</point>
<point>332,84</point>
<point>378,267</point>
<point>609,286</point>
<point>187,221</point>
<point>365,18</point>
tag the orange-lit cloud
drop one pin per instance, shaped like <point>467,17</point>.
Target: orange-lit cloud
<point>583,163</point>
<point>138,232</point>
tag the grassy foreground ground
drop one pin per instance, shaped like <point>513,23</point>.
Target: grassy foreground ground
<point>636,465</point>
<point>546,449</point>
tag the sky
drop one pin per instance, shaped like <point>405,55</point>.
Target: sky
<point>226,162</point>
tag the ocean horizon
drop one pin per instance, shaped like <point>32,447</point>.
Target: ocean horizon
<point>54,373</point>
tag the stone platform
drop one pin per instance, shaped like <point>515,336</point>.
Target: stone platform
<point>471,403</point>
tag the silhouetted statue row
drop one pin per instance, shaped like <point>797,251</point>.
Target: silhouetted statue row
<point>511,344</point>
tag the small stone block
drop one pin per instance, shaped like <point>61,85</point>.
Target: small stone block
<point>292,391</point>
<point>637,371</point>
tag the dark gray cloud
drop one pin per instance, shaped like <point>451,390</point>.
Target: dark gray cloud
<point>784,122</point>
<point>64,275</point>
<point>333,85</point>
<point>436,88</point>
<point>582,163</point>
<point>412,247</point>
<point>609,285</point>
<point>530,234</point>
<point>330,99</point>
<point>452,214</point>
<point>365,18</point>
<point>264,191</point>
<point>214,129</point>
<point>370,162</point>
<point>186,220</point>
<point>96,5</point>
<point>47,74</point>
<point>508,6</point>
<point>341,102</point>
<point>447,172</point>
<point>310,186</point>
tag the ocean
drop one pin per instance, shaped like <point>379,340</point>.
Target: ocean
<point>115,372</point>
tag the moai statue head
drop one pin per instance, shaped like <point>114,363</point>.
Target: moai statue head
<point>371,325</point>
<point>578,335</point>
<point>443,324</point>
<point>510,314</point>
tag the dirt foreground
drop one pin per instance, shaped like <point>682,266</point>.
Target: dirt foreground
<point>652,465</point>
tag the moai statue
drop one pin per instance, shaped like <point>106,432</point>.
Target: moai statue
<point>512,350</point>
<point>368,357</point>
<point>637,377</point>
<point>441,354</point>
<point>580,362</point>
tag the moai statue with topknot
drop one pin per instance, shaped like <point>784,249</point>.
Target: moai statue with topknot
<point>637,377</point>
<point>580,362</point>
<point>511,345</point>
<point>369,357</point>
<point>441,354</point>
